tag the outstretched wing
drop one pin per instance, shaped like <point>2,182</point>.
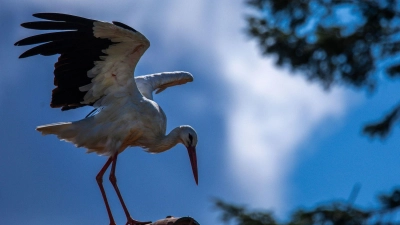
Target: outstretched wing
<point>160,81</point>
<point>97,58</point>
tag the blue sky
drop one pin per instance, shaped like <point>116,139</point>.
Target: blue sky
<point>267,138</point>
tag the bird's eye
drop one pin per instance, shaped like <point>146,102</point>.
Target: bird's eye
<point>190,138</point>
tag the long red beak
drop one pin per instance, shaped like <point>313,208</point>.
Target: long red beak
<point>193,162</point>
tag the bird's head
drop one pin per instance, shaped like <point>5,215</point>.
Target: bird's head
<point>188,137</point>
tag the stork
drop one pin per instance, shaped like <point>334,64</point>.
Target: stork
<point>95,68</point>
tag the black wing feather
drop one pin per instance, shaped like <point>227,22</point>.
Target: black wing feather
<point>124,26</point>
<point>50,25</point>
<point>65,18</point>
<point>56,36</point>
<point>47,49</point>
<point>78,50</point>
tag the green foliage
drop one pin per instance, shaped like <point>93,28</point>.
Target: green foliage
<point>392,201</point>
<point>242,216</point>
<point>335,213</point>
<point>332,42</point>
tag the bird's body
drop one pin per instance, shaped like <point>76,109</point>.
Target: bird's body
<point>136,123</point>
<point>95,68</point>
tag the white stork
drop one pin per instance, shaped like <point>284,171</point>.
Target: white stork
<point>95,68</point>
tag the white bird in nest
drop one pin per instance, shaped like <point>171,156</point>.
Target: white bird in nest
<point>95,68</point>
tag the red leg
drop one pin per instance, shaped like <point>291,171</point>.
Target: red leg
<point>113,180</point>
<point>99,179</point>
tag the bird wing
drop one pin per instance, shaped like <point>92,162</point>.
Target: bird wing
<point>160,81</point>
<point>155,82</point>
<point>97,59</point>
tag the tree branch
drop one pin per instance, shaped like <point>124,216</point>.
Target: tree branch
<point>383,127</point>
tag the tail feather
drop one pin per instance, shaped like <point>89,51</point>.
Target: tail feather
<point>62,130</point>
<point>74,133</point>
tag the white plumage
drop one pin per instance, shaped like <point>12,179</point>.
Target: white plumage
<point>136,123</point>
<point>95,67</point>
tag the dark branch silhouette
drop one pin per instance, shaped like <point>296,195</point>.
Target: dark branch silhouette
<point>338,213</point>
<point>313,37</point>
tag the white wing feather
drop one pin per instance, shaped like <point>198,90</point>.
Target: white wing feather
<point>113,76</point>
<point>160,81</point>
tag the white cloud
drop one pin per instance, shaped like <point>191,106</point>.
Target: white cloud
<point>270,114</point>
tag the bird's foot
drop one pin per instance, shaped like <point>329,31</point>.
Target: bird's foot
<point>135,222</point>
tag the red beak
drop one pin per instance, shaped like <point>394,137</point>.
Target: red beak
<point>193,162</point>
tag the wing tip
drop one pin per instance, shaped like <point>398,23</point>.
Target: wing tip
<point>23,24</point>
<point>25,55</point>
<point>40,15</point>
<point>63,17</point>
<point>188,76</point>
<point>122,25</point>
<point>45,15</point>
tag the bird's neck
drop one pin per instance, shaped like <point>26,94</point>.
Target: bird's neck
<point>166,142</point>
